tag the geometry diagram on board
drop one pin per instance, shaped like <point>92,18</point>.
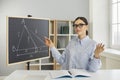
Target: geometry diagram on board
<point>26,39</point>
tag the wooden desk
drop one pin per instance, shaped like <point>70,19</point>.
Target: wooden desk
<point>99,75</point>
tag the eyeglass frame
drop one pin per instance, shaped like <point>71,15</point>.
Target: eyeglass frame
<point>78,25</point>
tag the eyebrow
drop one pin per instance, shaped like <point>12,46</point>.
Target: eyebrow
<point>80,23</point>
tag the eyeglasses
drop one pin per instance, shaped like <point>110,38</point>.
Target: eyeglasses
<point>78,25</point>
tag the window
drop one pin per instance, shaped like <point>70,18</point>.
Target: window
<point>115,24</point>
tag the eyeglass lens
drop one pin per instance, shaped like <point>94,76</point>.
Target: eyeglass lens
<point>78,25</point>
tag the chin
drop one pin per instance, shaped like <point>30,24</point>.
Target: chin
<point>79,33</point>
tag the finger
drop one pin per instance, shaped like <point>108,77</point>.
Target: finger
<point>46,37</point>
<point>98,46</point>
<point>102,45</point>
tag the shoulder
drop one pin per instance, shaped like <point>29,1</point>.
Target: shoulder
<point>72,42</point>
<point>92,42</point>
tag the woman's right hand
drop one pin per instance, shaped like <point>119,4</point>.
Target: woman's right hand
<point>48,42</point>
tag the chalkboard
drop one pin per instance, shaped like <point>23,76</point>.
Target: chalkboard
<point>25,39</point>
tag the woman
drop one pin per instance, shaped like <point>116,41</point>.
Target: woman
<point>81,52</point>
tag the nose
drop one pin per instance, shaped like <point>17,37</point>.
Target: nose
<point>77,27</point>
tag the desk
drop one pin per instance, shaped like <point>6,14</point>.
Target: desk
<point>99,75</point>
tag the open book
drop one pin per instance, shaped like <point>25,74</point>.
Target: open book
<point>69,73</point>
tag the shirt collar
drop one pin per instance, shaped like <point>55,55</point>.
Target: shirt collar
<point>82,41</point>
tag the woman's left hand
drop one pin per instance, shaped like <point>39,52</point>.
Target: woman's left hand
<point>98,50</point>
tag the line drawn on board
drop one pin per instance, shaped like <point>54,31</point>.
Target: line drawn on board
<point>35,48</point>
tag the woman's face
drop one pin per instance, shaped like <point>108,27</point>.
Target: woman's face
<point>80,27</point>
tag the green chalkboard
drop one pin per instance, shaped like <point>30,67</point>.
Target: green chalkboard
<point>25,39</point>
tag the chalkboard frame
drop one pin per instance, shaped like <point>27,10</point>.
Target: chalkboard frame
<point>8,40</point>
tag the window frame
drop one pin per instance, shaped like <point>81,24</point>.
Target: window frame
<point>111,44</point>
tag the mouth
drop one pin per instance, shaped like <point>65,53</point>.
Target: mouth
<point>77,31</point>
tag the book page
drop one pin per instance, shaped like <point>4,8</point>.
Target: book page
<point>79,73</point>
<point>60,74</point>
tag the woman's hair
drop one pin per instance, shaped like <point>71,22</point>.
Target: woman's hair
<point>84,20</point>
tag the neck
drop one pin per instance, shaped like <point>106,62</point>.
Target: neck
<point>82,36</point>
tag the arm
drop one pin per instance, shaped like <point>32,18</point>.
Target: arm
<point>60,58</point>
<point>95,62</point>
<point>55,53</point>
